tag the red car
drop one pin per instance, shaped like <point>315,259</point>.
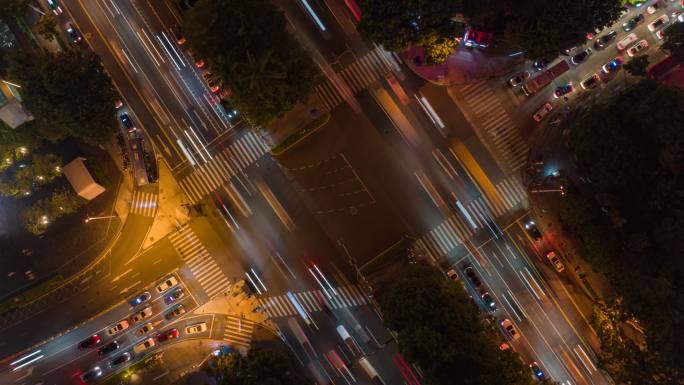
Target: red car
<point>167,335</point>
<point>478,39</point>
<point>89,342</point>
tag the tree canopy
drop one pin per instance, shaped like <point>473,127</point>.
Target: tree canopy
<point>631,219</point>
<point>396,24</point>
<point>539,27</point>
<point>260,366</point>
<point>10,8</point>
<point>247,45</point>
<point>674,38</point>
<point>441,329</point>
<point>68,93</point>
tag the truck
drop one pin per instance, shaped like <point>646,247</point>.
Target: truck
<point>535,84</point>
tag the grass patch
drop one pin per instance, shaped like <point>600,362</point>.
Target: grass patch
<point>31,294</point>
<point>300,135</point>
<point>386,257</point>
<point>123,376</point>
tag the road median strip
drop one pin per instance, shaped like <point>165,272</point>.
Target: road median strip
<point>300,135</point>
<point>31,294</point>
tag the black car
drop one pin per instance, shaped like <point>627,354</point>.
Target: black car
<point>110,347</point>
<point>127,122</point>
<point>73,33</point>
<point>604,40</point>
<point>472,276</point>
<point>92,374</point>
<point>175,312</point>
<point>488,301</point>
<point>563,90</point>
<point>120,360</point>
<point>540,64</point>
<point>631,23</point>
<point>533,231</point>
<point>580,57</point>
<point>174,296</point>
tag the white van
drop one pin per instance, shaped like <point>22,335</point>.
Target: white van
<point>370,371</point>
<point>624,43</point>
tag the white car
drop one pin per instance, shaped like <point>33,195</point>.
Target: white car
<point>143,345</point>
<point>168,283</point>
<point>653,8</point>
<point>196,328</point>
<point>121,326</point>
<point>658,23</point>
<point>146,328</point>
<point>519,79</point>
<point>629,39</point>
<point>510,329</point>
<point>638,47</point>
<point>141,315</point>
<point>542,112</point>
<point>555,261</point>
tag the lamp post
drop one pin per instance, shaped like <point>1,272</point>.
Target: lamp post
<point>88,219</point>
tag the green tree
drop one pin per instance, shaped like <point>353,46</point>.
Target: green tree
<point>253,54</point>
<point>39,216</point>
<point>440,329</point>
<point>396,24</point>
<point>46,167</point>
<point>47,26</point>
<point>674,39</point>
<point>69,93</point>
<point>438,49</point>
<point>637,66</point>
<point>260,366</point>
<point>12,8</point>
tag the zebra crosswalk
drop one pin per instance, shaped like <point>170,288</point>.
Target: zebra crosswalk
<point>222,166</point>
<point>357,76</point>
<point>238,332</point>
<point>453,231</point>
<point>199,261</point>
<point>144,203</point>
<point>493,118</point>
<point>346,296</point>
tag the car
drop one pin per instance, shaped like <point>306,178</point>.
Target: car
<point>519,79</point>
<point>582,56</point>
<point>629,39</point>
<point>178,310</point>
<point>54,6</point>
<point>653,8</point>
<point>118,104</point>
<point>472,276</point>
<point>612,66</point>
<point>478,39</point>
<point>168,283</point>
<point>177,33</point>
<point>590,82</point>
<point>211,82</point>
<point>638,47</point>
<point>542,112</point>
<point>533,230</point>
<point>142,314</point>
<point>507,325</point>
<point>121,326</point>
<point>146,328</point>
<point>568,51</point>
<point>143,345</point>
<point>488,301</point>
<point>167,335</point>
<point>452,274</point>
<point>555,261</point>
<point>603,41</point>
<point>110,347</point>
<point>125,357</point>
<point>89,342</point>
<point>73,33</point>
<point>678,16</point>
<point>536,371</point>
<point>633,22</point>
<point>660,34</point>
<point>127,122</point>
<point>658,23</point>
<point>175,295</point>
<point>199,63</point>
<point>540,64</point>
<point>143,297</point>
<point>92,374</point>
<point>563,90</point>
<point>196,328</point>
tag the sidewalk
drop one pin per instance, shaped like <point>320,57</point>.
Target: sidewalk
<point>465,66</point>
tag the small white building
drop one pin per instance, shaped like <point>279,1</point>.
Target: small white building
<point>83,183</point>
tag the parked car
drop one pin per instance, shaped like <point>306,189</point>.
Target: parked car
<point>633,22</point>
<point>143,297</point>
<point>146,328</point>
<point>612,66</point>
<point>581,57</point>
<point>168,283</point>
<point>167,335</point>
<point>590,82</point>
<point>629,39</point>
<point>472,276</point>
<point>555,261</point>
<point>177,311</point>
<point>605,40</point>
<point>121,326</point>
<point>127,122</point>
<point>542,112</point>
<point>540,64</point>
<point>658,23</point>
<point>519,79</point>
<point>488,301</point>
<point>563,90</point>
<point>89,342</point>
<point>452,274</point>
<point>73,33</point>
<point>175,295</point>
<point>196,328</point>
<point>533,230</point>
<point>507,325</point>
<point>177,33</point>
<point>638,47</point>
<point>653,8</point>
<point>141,315</point>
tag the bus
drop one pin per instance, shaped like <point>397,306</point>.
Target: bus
<point>543,80</point>
<point>138,161</point>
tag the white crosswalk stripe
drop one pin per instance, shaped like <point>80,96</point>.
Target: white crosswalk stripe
<point>357,76</point>
<point>496,122</point>
<point>222,166</point>
<point>238,332</point>
<point>199,261</point>
<point>144,203</point>
<point>347,296</point>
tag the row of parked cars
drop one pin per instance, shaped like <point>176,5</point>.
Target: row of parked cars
<point>171,293</point>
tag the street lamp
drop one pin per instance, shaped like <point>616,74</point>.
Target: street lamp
<point>88,219</point>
